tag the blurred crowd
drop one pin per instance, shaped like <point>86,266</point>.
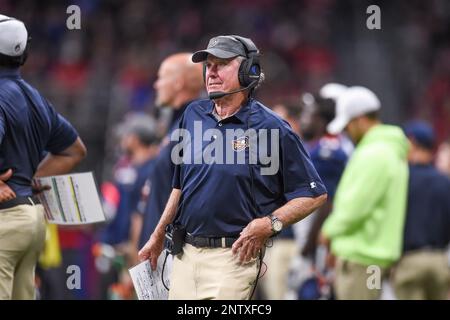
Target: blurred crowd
<point>102,78</point>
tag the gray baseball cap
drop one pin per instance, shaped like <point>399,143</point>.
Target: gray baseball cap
<point>13,36</point>
<point>224,47</point>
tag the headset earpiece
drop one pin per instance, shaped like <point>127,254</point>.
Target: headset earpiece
<point>250,68</point>
<point>249,71</point>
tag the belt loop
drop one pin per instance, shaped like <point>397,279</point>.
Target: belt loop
<point>31,200</point>
<point>224,243</point>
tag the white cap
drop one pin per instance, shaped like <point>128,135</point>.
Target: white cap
<point>332,90</point>
<point>13,36</point>
<point>352,103</point>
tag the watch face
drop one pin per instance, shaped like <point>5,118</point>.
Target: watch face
<point>277,225</point>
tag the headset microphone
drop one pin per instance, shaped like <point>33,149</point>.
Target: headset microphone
<point>220,94</point>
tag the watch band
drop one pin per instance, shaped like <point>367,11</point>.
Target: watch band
<point>273,221</point>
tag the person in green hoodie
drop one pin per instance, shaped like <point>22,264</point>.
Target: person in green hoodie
<point>365,227</point>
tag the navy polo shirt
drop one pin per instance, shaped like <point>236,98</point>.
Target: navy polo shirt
<point>29,126</point>
<point>427,222</point>
<point>220,199</point>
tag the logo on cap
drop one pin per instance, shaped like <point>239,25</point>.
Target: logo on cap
<point>213,42</point>
<point>17,48</point>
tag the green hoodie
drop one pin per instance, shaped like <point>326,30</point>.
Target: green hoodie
<point>366,225</point>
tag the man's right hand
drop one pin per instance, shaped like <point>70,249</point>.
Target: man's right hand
<point>6,193</point>
<point>152,249</point>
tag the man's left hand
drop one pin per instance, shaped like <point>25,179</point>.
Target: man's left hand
<point>252,239</point>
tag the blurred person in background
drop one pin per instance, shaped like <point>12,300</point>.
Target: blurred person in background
<point>365,226</point>
<point>329,154</point>
<point>139,147</point>
<point>180,81</point>
<point>35,141</point>
<point>279,256</point>
<point>423,272</point>
<point>443,158</point>
<point>290,112</point>
<point>443,165</point>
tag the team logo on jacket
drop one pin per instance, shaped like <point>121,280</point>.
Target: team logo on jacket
<point>240,143</point>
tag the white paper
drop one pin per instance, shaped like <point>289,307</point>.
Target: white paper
<point>72,200</point>
<point>147,283</point>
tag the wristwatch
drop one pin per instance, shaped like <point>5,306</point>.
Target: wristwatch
<point>277,225</point>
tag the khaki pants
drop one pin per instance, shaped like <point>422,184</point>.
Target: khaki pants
<point>204,273</point>
<point>22,235</point>
<point>422,275</point>
<point>278,259</point>
<point>353,281</point>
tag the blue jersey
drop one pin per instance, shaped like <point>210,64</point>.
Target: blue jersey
<point>29,127</point>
